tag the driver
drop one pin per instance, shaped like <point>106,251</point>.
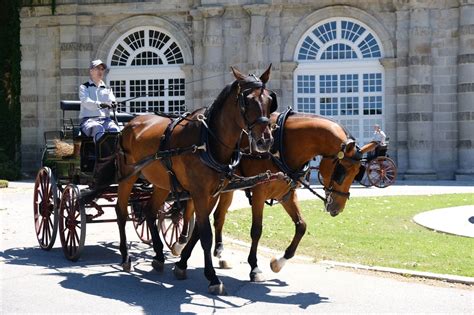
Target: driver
<point>96,101</point>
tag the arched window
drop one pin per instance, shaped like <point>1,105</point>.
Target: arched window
<point>339,75</point>
<point>145,64</point>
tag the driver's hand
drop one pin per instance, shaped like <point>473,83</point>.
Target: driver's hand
<point>114,105</point>
<point>104,105</point>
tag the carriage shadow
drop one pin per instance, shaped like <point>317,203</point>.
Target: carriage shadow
<point>97,274</point>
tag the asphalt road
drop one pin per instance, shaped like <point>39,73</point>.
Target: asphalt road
<point>37,281</point>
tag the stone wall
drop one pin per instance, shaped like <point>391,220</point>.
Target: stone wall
<point>428,45</point>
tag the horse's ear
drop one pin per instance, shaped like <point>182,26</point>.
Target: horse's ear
<point>266,75</point>
<point>369,147</point>
<point>237,74</point>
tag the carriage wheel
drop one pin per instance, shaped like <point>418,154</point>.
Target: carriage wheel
<point>139,221</point>
<point>171,223</point>
<point>382,172</point>
<point>72,222</point>
<point>45,208</point>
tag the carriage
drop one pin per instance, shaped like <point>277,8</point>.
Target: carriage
<point>377,169</point>
<point>67,164</point>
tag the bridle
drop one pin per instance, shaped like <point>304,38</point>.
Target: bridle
<point>245,89</point>
<point>339,171</point>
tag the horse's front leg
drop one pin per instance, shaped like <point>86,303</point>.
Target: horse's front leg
<point>225,200</point>
<point>156,202</point>
<point>258,202</point>
<point>121,209</point>
<point>292,208</point>
<point>203,208</point>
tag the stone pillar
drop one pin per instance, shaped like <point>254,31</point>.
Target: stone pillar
<point>420,97</point>
<point>445,50</point>
<point>197,86</point>
<point>390,101</point>
<point>403,20</point>
<point>213,53</point>
<point>286,81</point>
<point>189,90</point>
<point>255,46</point>
<point>466,92</point>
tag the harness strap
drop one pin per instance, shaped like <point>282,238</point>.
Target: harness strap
<point>176,187</point>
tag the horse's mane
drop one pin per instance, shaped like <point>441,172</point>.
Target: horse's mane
<point>347,132</point>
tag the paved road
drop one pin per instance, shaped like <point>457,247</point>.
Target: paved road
<point>36,281</point>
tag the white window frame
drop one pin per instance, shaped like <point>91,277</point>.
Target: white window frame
<point>146,72</point>
<point>337,67</point>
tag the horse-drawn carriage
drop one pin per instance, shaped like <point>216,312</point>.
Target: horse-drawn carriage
<point>67,165</point>
<point>196,157</point>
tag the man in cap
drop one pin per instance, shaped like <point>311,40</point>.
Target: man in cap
<point>96,102</point>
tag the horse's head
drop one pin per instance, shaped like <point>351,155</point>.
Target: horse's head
<point>256,104</point>
<point>338,172</point>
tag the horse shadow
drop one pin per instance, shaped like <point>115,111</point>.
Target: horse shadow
<point>144,288</point>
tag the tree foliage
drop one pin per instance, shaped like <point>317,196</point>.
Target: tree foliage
<point>10,85</point>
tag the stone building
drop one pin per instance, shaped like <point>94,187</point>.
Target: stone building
<point>405,64</point>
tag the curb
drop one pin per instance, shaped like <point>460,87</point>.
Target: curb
<point>403,272</point>
<point>331,263</point>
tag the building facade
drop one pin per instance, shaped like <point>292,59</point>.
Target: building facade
<point>407,65</point>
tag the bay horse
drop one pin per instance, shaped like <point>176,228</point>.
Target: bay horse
<point>298,139</point>
<point>212,136</point>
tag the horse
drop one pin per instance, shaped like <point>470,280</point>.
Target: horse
<point>196,154</point>
<point>298,139</point>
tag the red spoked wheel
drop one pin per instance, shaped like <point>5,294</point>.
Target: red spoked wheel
<point>45,208</point>
<point>139,221</point>
<point>171,220</point>
<point>382,172</point>
<point>72,222</point>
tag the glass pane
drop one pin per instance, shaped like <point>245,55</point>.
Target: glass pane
<point>306,105</point>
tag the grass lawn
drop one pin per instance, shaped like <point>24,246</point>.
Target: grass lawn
<point>372,231</point>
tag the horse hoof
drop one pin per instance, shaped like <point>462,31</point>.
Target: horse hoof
<point>179,273</point>
<point>277,264</point>
<point>224,264</point>
<point>127,265</point>
<point>256,275</point>
<point>218,253</point>
<point>217,289</point>
<point>177,248</point>
<point>158,265</point>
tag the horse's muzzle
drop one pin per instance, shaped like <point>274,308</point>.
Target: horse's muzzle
<point>332,206</point>
<point>262,145</point>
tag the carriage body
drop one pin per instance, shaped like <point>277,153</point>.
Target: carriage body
<point>67,164</point>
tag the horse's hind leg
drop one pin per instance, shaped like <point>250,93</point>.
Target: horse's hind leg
<point>121,209</point>
<point>157,200</point>
<point>178,246</point>
<point>292,208</point>
<point>225,200</point>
